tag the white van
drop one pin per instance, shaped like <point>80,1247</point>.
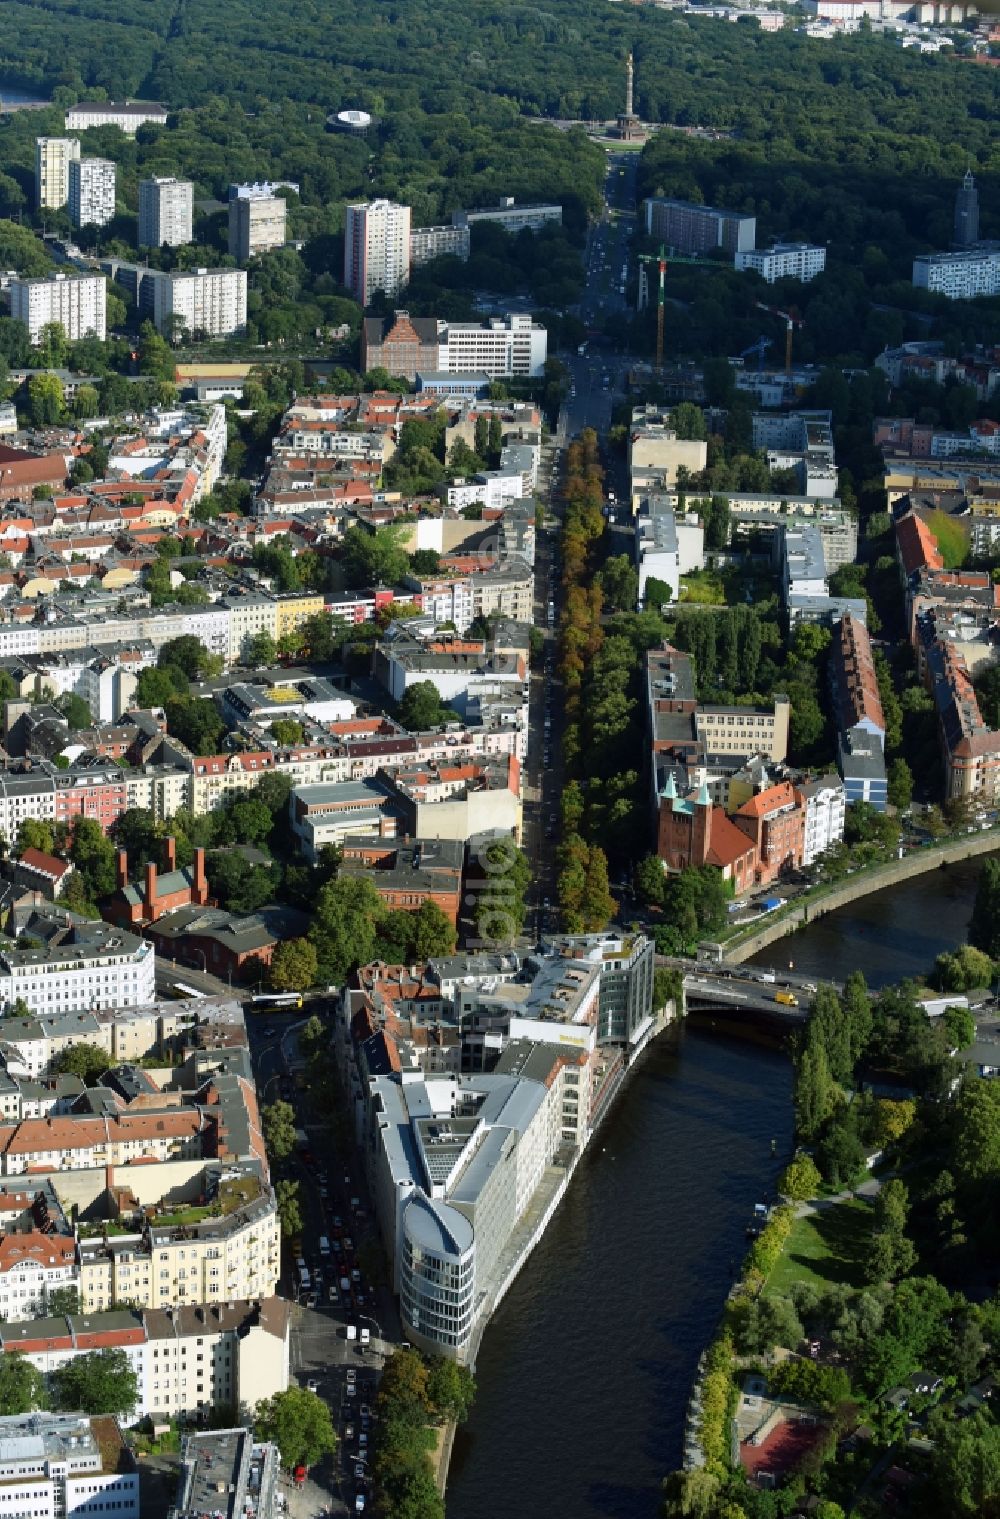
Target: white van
<point>324,1245</point>
<point>366,1336</point>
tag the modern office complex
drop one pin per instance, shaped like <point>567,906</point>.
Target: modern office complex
<point>165,212</point>
<point>690,228</point>
<point>256,222</point>
<point>376,249</point>
<point>77,302</point>
<point>784,261</point>
<point>52,160</point>
<point>213,301</point>
<point>505,345</point>
<point>54,1465</point>
<point>91,191</point>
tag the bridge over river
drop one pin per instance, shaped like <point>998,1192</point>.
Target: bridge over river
<point>781,996</point>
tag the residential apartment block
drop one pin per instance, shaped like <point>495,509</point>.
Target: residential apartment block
<point>86,966</point>
<point>783,261</point>
<point>52,160</point>
<point>165,212</point>
<point>91,191</point>
<point>256,223</point>
<point>77,302</point>
<point>858,716</point>
<point>690,228</point>
<point>960,276</point>
<point>189,1361</point>
<point>427,243</point>
<point>510,216</point>
<point>376,249</point>
<point>209,301</point>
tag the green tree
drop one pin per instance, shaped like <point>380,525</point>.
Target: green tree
<point>434,933</point>
<point>46,407</point>
<point>984,925</point>
<point>976,1135</point>
<point>800,1179</point>
<point>189,654</point>
<point>289,1206</point>
<point>101,1382</point>
<point>421,708</point>
<point>293,967</point>
<point>75,710</point>
<point>814,1090</point>
<point>651,880</point>
<point>93,854</point>
<point>343,930</point>
<point>154,687</point>
<point>287,732</point>
<point>278,1123</point>
<point>196,723</point>
<point>965,1465</point>
<point>260,651</point>
<point>371,559</point>
<point>88,1061</point>
<point>62,1300</point>
<point>620,583</point>
<point>451,1389</point>
<point>34,833</point>
<point>300,1425</point>
<point>900,785</point>
<point>22,1388</point>
<point>597,906</point>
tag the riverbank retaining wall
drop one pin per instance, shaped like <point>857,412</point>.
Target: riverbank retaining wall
<point>811,907</point>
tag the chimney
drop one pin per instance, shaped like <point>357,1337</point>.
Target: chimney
<point>121,869</point>
<point>150,894</point>
<point>169,853</point>
<point>200,879</point>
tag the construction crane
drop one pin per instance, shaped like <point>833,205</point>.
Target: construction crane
<point>759,348</point>
<point>661,260</point>
<point>791,321</point>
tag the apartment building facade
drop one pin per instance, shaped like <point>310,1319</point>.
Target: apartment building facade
<point>210,301</point>
<point>52,160</point>
<point>91,191</point>
<point>783,261</point>
<point>690,228</point>
<point>376,249</point>
<point>77,302</point>
<point>257,223</point>
<point>166,209</point>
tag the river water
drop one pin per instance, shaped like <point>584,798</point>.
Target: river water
<point>585,1371</point>
<point>890,935</point>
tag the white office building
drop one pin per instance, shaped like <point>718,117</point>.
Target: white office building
<point>256,224</point>
<point>436,242</point>
<point>213,301</point>
<point>52,160</point>
<point>505,345</point>
<point>127,115</point>
<point>376,249</point>
<point>91,191</point>
<point>77,302</point>
<point>783,261</point>
<point>57,1465</point>
<point>88,966</point>
<point>960,276</point>
<point>165,212</point>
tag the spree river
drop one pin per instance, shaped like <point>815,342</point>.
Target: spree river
<point>585,1371</point>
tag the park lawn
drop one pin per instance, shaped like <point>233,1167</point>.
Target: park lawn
<point>825,1248</point>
